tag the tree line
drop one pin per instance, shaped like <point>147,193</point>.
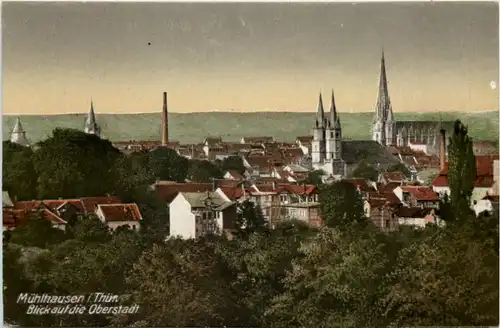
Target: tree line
<point>344,274</point>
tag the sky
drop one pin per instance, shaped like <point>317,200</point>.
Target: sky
<point>247,56</point>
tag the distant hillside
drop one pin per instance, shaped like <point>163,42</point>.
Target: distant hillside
<point>194,127</point>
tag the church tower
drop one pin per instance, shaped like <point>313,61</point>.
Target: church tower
<point>333,133</point>
<point>18,135</point>
<point>383,123</point>
<point>318,143</point>
<point>91,126</point>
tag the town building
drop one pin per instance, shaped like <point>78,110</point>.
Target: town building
<point>118,215</point>
<point>195,214</point>
<point>386,130</point>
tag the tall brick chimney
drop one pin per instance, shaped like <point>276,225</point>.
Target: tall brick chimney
<point>164,121</point>
<point>442,150</point>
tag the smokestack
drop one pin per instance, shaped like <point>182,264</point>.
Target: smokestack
<point>442,149</point>
<point>164,121</point>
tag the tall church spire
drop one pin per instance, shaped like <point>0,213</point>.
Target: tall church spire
<point>18,135</point>
<point>320,113</point>
<point>334,119</point>
<point>91,126</point>
<point>383,102</point>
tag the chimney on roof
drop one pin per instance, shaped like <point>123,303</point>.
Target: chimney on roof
<point>442,149</point>
<point>164,121</point>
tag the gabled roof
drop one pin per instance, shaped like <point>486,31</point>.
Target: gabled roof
<point>167,192</point>
<point>393,176</point>
<point>83,204</point>
<point>354,151</point>
<point>200,199</point>
<point>421,193</point>
<point>387,197</point>
<point>232,193</point>
<point>297,189</point>
<point>12,218</point>
<point>120,212</point>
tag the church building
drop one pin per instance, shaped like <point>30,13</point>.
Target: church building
<point>326,153</point>
<point>91,126</point>
<point>389,132</point>
<point>18,135</point>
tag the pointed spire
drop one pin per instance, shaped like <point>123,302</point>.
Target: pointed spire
<point>18,135</point>
<point>91,126</point>
<point>320,114</point>
<point>383,102</point>
<point>334,117</point>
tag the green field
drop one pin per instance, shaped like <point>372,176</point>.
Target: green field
<point>194,127</point>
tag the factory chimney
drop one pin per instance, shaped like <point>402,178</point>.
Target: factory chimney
<point>442,150</point>
<point>164,121</point>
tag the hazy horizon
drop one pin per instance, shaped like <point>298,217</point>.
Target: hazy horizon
<point>240,57</point>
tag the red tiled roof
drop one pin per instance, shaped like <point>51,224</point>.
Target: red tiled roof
<point>388,187</point>
<point>233,193</point>
<point>421,193</point>
<point>168,192</point>
<point>297,189</point>
<point>120,212</point>
<point>484,173</point>
<point>90,203</point>
<point>15,217</point>
<point>265,188</point>
<point>83,204</point>
<point>361,184</point>
<point>412,212</point>
<point>388,197</point>
<point>393,176</point>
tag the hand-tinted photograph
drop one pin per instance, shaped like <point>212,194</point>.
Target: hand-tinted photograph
<point>274,165</point>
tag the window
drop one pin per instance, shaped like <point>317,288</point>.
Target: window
<point>331,134</point>
<point>337,134</point>
<point>387,225</point>
<point>283,198</point>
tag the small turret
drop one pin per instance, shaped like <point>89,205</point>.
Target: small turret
<point>18,135</point>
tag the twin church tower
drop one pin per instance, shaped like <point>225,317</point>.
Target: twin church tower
<point>327,144</point>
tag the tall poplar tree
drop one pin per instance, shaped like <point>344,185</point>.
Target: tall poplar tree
<point>461,172</point>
